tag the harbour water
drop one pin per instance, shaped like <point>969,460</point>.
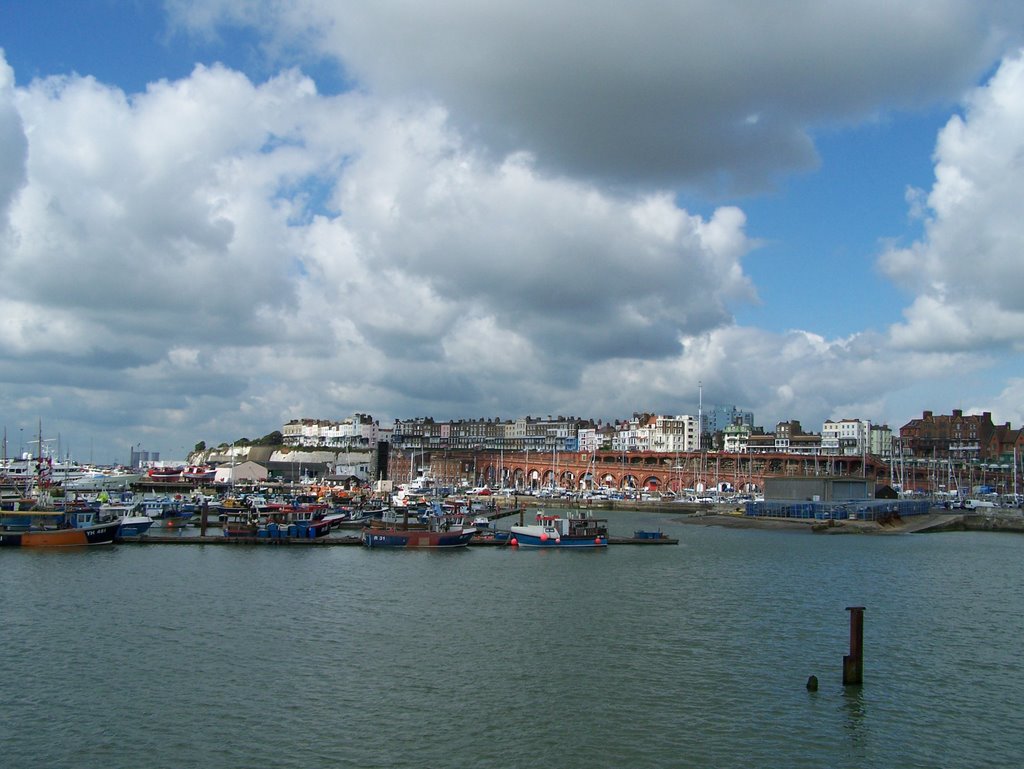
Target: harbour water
<point>693,655</point>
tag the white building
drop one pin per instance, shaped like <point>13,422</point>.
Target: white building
<point>246,472</point>
<point>845,437</point>
<point>736,438</point>
<point>658,433</point>
<point>589,440</point>
<point>354,431</point>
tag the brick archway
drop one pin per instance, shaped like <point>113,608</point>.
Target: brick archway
<point>638,470</point>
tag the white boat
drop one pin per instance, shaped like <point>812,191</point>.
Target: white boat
<point>100,480</point>
<point>134,523</point>
<point>56,472</point>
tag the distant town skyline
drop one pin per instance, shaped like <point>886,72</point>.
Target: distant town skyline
<point>217,216</point>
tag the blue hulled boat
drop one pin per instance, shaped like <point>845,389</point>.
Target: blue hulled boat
<point>576,530</point>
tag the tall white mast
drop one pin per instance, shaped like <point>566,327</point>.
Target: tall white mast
<point>700,414</point>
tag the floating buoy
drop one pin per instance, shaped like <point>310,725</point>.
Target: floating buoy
<point>597,540</point>
<point>558,540</point>
<point>812,684</point>
<point>544,536</point>
<point>514,542</point>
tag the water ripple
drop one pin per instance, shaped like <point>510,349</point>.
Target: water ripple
<point>688,656</point>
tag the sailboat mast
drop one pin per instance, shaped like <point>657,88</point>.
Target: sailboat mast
<point>1016,498</point>
<point>700,413</point>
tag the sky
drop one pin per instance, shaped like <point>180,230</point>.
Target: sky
<point>220,215</point>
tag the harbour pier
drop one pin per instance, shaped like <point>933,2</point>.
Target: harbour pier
<point>148,539</point>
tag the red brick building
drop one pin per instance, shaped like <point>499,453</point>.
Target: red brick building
<point>955,437</point>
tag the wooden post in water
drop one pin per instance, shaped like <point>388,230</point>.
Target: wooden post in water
<point>853,663</point>
<point>205,514</point>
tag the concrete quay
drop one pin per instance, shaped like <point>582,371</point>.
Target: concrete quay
<point>1011,521</point>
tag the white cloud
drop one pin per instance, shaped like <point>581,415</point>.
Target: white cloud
<point>967,271</point>
<point>1008,406</point>
<point>211,237</point>
<point>796,375</point>
<point>13,145</point>
<point>214,256</point>
<point>647,91</point>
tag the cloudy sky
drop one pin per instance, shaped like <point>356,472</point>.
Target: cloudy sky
<point>219,215</point>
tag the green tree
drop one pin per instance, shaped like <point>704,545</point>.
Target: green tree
<point>271,439</point>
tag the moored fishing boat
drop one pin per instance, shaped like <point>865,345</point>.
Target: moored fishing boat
<point>53,528</point>
<point>643,534</point>
<point>434,530</point>
<point>335,517</point>
<point>53,522</point>
<point>576,530</point>
<point>166,512</point>
<point>306,520</point>
<point>13,499</point>
<point>239,522</point>
<point>350,518</point>
<point>134,525</point>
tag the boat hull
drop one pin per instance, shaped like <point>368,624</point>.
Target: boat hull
<point>173,521</point>
<point>524,537</point>
<point>397,539</point>
<point>240,529</point>
<point>135,526</point>
<point>313,529</point>
<point>100,534</point>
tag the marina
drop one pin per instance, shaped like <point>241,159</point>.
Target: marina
<point>173,503</point>
<point>418,522</point>
<point>343,541</point>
